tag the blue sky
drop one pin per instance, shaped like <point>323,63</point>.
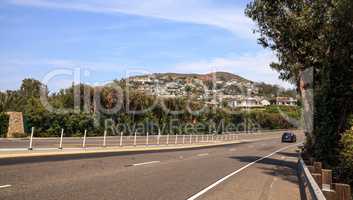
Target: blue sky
<point>109,39</point>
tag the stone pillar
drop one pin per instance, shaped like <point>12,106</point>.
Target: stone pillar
<point>15,124</point>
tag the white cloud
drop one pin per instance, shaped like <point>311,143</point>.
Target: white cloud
<point>42,68</point>
<point>53,64</point>
<point>254,67</point>
<point>204,12</point>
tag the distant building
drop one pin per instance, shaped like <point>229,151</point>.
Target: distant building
<point>265,102</point>
<point>286,101</point>
<point>246,102</point>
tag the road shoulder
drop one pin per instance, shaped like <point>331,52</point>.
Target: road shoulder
<point>276,179</point>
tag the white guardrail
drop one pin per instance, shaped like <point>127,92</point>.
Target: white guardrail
<point>122,140</point>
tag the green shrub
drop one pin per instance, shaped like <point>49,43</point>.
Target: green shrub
<point>346,164</point>
<point>19,135</point>
<point>4,123</point>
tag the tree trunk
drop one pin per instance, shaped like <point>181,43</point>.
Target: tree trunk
<point>307,94</point>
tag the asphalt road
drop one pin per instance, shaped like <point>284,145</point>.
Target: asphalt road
<point>259,170</point>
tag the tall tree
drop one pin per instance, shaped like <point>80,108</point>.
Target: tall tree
<point>32,88</point>
<point>311,40</point>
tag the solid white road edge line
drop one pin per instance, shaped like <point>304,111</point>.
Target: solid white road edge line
<point>237,171</point>
<point>4,186</point>
<point>146,163</point>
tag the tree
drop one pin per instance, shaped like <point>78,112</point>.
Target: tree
<point>188,89</point>
<point>11,101</point>
<point>313,43</point>
<point>32,88</point>
<point>286,28</point>
<point>4,122</point>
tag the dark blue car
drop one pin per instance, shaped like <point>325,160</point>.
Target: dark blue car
<point>289,137</point>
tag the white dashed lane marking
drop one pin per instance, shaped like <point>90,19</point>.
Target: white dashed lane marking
<point>145,163</point>
<point>4,186</point>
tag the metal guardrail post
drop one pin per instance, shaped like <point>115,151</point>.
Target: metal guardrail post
<point>302,182</point>
<point>121,138</point>
<point>31,140</point>
<point>61,139</point>
<point>135,137</point>
<point>84,139</point>
<point>105,138</point>
<point>159,136</point>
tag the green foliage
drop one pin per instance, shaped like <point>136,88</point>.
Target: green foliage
<point>346,155</point>
<point>270,120</point>
<point>4,122</point>
<point>19,135</point>
<point>318,35</point>
<point>50,124</point>
<point>32,88</point>
<point>92,106</point>
<point>11,101</point>
<point>271,91</point>
<point>291,111</point>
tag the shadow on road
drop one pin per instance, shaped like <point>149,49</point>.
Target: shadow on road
<point>279,168</point>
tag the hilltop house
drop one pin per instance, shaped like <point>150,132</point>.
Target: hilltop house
<point>247,102</point>
<point>286,101</point>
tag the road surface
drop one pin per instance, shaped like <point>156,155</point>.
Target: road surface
<point>255,170</point>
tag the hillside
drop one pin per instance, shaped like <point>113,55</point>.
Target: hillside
<point>220,76</point>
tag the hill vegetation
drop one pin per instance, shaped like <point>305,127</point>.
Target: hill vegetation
<point>91,113</point>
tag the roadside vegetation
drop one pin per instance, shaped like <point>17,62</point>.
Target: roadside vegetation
<point>3,124</point>
<point>345,167</point>
<point>92,116</point>
<point>313,41</point>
